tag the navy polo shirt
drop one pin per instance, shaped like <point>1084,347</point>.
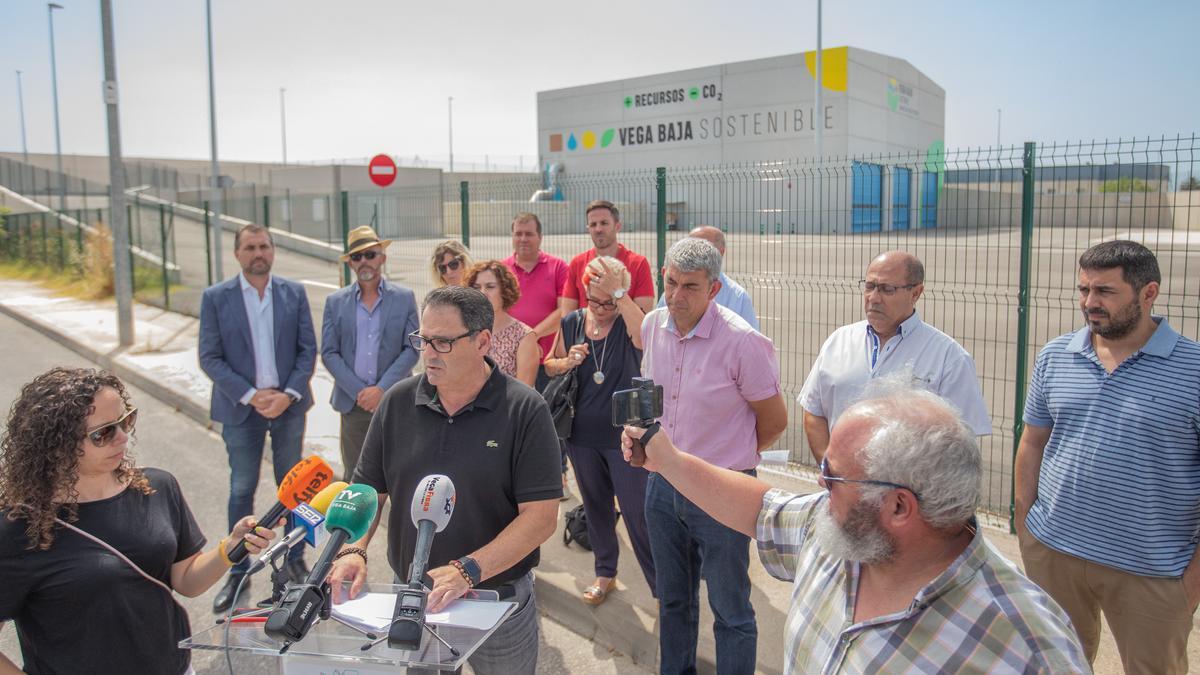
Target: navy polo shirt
<point>500,450</point>
<point>1120,476</point>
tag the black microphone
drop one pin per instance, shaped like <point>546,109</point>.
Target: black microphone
<point>432,505</point>
<point>349,519</point>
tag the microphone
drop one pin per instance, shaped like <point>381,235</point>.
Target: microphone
<point>300,484</point>
<point>349,518</point>
<point>309,518</point>
<point>289,541</point>
<point>432,505</point>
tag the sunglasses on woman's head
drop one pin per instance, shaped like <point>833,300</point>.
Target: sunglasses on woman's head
<point>103,434</point>
<point>369,255</point>
<point>451,266</point>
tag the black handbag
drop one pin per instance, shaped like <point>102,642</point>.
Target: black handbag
<point>561,391</point>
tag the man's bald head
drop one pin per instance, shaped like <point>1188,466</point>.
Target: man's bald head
<point>912,264</point>
<point>710,234</point>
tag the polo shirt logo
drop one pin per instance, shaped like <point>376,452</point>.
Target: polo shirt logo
<point>493,444</point>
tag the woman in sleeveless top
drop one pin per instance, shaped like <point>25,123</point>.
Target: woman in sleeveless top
<point>514,345</point>
<point>602,344</point>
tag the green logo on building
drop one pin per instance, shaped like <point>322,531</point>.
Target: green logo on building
<point>628,101</point>
<point>694,93</point>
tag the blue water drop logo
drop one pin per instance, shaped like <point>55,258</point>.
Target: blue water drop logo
<point>572,144</point>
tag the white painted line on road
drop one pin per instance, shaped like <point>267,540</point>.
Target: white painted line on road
<point>321,284</point>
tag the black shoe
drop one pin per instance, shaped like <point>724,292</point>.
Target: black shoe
<point>297,570</point>
<point>225,599</point>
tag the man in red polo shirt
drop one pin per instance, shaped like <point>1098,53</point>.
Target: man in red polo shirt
<point>541,277</point>
<point>603,224</point>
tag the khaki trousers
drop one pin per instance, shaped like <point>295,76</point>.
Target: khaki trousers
<point>1150,617</point>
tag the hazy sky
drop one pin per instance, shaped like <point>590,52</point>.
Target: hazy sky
<point>367,76</point>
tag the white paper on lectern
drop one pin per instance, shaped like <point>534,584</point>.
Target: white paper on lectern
<point>374,612</point>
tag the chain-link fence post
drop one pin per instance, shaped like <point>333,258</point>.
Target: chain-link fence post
<point>464,196</point>
<point>345,211</point>
<point>80,214</point>
<point>266,201</point>
<point>660,221</point>
<point>62,243</point>
<point>162,235</point>
<point>208,245</point>
<point>1027,188</point>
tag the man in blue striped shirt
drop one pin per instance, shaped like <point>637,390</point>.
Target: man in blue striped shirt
<point>1108,468</point>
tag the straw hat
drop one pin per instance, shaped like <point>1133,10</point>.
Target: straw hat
<point>361,239</point>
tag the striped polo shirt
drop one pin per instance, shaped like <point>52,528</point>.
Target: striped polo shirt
<point>1120,477</point>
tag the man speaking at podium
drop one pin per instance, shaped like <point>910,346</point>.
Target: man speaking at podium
<point>494,438</point>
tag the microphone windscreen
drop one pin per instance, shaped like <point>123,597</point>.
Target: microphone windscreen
<point>304,481</point>
<point>353,511</point>
<point>433,501</point>
<point>321,500</point>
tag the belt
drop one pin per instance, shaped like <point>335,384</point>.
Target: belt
<point>507,591</point>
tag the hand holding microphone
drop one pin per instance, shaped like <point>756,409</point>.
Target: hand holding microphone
<point>309,518</point>
<point>300,484</point>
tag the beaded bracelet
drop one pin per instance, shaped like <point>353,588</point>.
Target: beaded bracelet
<point>463,571</point>
<point>223,553</point>
<point>361,552</point>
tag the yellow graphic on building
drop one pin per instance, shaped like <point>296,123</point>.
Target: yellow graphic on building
<point>833,66</point>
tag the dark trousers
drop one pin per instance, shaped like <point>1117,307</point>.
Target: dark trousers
<point>354,432</point>
<point>601,474</point>
<point>244,443</point>
<point>688,545</point>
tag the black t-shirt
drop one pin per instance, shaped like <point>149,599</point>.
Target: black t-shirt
<point>78,608</point>
<point>621,362</point>
<point>500,450</point>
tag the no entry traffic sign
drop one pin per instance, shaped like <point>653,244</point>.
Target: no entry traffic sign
<point>382,170</point>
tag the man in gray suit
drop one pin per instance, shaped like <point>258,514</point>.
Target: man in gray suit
<point>364,339</point>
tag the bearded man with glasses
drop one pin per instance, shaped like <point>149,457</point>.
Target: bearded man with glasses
<point>890,572</point>
<point>892,338</point>
<point>493,437</point>
<point>363,339</point>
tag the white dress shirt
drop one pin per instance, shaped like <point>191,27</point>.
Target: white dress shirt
<point>262,335</point>
<point>851,357</point>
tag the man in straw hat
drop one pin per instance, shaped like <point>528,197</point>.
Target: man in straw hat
<point>364,339</point>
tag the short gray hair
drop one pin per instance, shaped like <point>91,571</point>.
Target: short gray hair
<point>691,254</point>
<point>921,442</point>
<point>473,306</point>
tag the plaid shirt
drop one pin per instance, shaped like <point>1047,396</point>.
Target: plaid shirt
<point>980,615</point>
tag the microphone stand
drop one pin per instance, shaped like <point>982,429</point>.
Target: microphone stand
<point>279,582</point>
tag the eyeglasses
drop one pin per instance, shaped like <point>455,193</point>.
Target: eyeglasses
<point>830,480</point>
<point>440,345</point>
<point>607,304</point>
<point>451,266</point>
<point>369,255</point>
<point>887,289</point>
<point>103,434</point>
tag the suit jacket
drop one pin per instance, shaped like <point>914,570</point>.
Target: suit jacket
<point>339,339</point>
<point>227,348</point>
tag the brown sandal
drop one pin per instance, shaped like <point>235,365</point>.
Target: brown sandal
<point>596,594</point>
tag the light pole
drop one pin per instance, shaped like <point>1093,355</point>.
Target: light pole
<point>283,122</point>
<point>62,179</point>
<point>21,106</point>
<point>215,187</point>
<point>116,178</point>
<point>450,110</point>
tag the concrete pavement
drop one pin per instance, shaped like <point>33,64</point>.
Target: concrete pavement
<point>164,365</point>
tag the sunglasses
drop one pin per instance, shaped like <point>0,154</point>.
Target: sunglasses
<point>369,255</point>
<point>103,434</point>
<point>451,266</point>
<point>830,480</point>
<point>607,304</point>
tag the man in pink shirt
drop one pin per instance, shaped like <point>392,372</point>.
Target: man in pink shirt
<point>603,226</point>
<point>541,277</point>
<point>721,392</point>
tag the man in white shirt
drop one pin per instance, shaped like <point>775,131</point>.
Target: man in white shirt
<point>258,346</point>
<point>891,338</point>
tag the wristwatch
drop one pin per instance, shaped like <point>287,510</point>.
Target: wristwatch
<point>618,294</point>
<point>293,398</point>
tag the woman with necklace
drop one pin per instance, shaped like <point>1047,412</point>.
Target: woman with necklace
<point>514,344</point>
<point>605,353</point>
<point>92,547</point>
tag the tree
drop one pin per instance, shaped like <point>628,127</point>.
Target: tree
<point>1192,183</point>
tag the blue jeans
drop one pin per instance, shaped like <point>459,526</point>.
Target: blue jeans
<point>688,544</point>
<point>244,443</point>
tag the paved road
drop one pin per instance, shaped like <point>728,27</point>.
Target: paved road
<point>196,457</point>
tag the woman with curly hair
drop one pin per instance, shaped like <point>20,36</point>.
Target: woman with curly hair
<point>449,263</point>
<point>514,345</point>
<point>86,535</point>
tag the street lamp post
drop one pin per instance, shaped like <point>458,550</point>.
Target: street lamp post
<point>283,122</point>
<point>215,187</point>
<point>21,106</point>
<point>62,179</point>
<point>123,278</point>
